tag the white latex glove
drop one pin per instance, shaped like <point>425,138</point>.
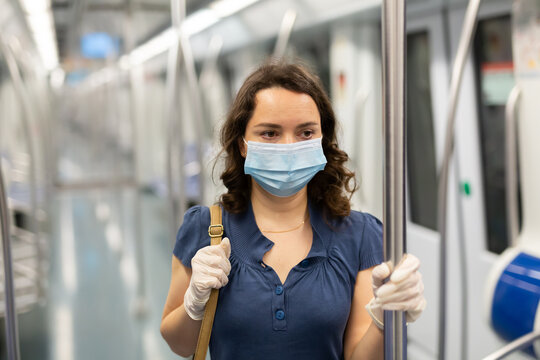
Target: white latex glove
<point>404,291</point>
<point>210,268</point>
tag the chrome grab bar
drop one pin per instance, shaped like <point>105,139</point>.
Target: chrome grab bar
<point>511,166</point>
<point>360,100</point>
<point>515,345</point>
<point>12,333</point>
<point>177,201</point>
<point>206,79</point>
<point>136,82</point>
<point>196,102</point>
<point>183,48</point>
<point>15,75</point>
<point>465,40</point>
<point>393,91</point>
<point>284,34</point>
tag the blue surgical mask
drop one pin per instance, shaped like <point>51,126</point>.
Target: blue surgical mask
<point>284,169</point>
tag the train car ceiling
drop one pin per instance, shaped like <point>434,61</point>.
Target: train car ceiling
<point>58,26</point>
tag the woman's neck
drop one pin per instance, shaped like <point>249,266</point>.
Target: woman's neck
<point>276,212</point>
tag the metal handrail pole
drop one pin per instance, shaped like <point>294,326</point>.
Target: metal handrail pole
<point>284,34</point>
<point>196,102</point>
<point>455,84</point>
<point>359,106</point>
<point>360,100</point>
<point>178,12</point>
<point>171,112</point>
<point>515,345</point>
<point>177,203</point>
<point>511,166</point>
<point>18,84</point>
<point>206,78</point>
<point>393,52</point>
<point>135,77</point>
<point>12,333</point>
<point>210,63</point>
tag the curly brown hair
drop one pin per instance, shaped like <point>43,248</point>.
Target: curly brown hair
<point>331,188</point>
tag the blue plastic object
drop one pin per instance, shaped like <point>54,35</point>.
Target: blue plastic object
<point>516,297</point>
<point>99,45</point>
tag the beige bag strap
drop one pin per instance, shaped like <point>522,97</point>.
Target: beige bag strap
<point>215,230</point>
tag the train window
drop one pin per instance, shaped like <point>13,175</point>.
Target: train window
<point>422,175</point>
<point>494,74</point>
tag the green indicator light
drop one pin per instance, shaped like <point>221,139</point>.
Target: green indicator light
<point>466,188</point>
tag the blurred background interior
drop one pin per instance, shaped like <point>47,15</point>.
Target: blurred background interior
<point>109,112</point>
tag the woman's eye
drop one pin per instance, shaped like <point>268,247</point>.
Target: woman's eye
<point>307,134</point>
<point>268,134</point>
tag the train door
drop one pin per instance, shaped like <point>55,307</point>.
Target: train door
<point>487,81</point>
<point>427,92</point>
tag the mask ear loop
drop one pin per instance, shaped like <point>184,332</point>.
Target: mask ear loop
<point>242,152</point>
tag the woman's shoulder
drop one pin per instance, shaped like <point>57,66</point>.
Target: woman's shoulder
<point>359,236</point>
<point>359,221</point>
<point>197,209</point>
<point>193,233</point>
<point>364,217</point>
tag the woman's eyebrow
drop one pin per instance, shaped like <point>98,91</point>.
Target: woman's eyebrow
<point>306,124</point>
<point>269,125</point>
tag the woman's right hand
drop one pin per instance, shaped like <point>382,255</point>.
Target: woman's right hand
<point>210,269</point>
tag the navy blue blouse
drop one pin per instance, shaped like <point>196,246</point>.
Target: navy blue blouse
<point>257,316</point>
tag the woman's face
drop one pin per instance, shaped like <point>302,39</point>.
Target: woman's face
<point>282,116</point>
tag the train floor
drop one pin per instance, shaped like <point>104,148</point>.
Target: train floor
<point>105,293</point>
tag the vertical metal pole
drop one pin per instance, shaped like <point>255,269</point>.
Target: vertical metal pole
<point>207,78</point>
<point>20,91</point>
<point>393,52</point>
<point>196,102</point>
<point>469,26</point>
<point>511,167</point>
<point>172,114</point>
<point>140,308</point>
<point>12,333</point>
<point>177,202</point>
<point>178,8</point>
<point>285,31</point>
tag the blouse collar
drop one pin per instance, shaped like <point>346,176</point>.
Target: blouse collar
<point>250,244</point>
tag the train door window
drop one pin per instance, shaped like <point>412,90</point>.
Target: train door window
<point>494,73</point>
<point>422,176</point>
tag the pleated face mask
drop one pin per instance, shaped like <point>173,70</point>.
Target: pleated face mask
<point>284,169</point>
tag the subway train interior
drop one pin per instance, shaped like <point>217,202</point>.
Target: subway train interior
<point>110,113</point>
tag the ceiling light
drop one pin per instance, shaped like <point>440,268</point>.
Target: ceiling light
<point>153,47</point>
<point>198,21</point>
<point>226,8</point>
<point>46,46</point>
<point>193,24</point>
<point>33,6</point>
<point>40,22</point>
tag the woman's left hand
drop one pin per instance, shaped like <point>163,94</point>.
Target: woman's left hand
<point>403,291</point>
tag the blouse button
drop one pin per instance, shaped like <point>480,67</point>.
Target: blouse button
<point>304,263</point>
<point>280,314</point>
<point>279,290</point>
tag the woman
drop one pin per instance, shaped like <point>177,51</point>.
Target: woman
<point>298,270</point>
